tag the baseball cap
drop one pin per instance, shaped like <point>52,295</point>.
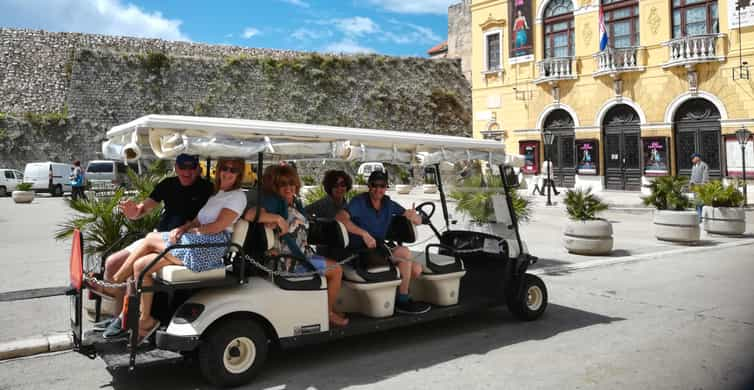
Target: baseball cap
<point>186,161</point>
<point>377,176</point>
<point>696,155</point>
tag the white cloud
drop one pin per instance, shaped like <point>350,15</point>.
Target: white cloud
<point>439,7</point>
<point>355,26</point>
<point>306,34</point>
<point>109,17</point>
<point>415,34</point>
<point>297,3</point>
<point>249,32</point>
<point>347,46</point>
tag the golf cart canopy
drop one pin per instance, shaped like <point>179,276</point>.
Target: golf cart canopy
<point>167,136</point>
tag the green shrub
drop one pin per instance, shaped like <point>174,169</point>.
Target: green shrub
<point>478,204</point>
<point>583,205</point>
<point>314,195</point>
<point>359,179</point>
<point>23,186</point>
<point>403,176</point>
<point>716,194</point>
<point>666,193</point>
<point>309,180</point>
<point>430,179</point>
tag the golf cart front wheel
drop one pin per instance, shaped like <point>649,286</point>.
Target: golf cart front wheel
<point>530,301</point>
<point>233,352</point>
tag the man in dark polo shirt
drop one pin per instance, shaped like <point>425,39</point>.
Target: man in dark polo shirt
<point>367,218</point>
<point>183,195</point>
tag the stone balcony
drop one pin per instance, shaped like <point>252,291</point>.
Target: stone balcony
<point>616,61</point>
<point>556,69</point>
<point>695,49</point>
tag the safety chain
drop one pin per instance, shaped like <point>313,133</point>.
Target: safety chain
<point>92,280</point>
<point>286,274</point>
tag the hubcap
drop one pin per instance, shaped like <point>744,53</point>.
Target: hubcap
<point>533,298</point>
<point>239,355</point>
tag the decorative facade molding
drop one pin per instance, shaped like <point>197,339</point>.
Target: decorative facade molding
<point>587,33</point>
<point>492,22</point>
<point>680,99</point>
<point>555,106</point>
<point>654,20</point>
<point>614,102</point>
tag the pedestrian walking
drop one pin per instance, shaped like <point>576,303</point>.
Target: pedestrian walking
<point>77,181</point>
<point>699,176</point>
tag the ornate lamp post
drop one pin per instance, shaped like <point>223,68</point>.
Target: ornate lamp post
<point>742,135</point>
<point>548,136</point>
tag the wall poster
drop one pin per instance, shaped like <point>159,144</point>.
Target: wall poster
<point>587,154</point>
<point>530,151</point>
<point>733,157</point>
<point>655,155</point>
<point>747,14</point>
<point>520,31</point>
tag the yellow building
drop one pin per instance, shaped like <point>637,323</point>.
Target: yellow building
<point>672,81</point>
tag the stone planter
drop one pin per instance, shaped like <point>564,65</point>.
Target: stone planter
<point>403,188</point>
<point>724,220</point>
<point>23,196</point>
<point>676,226</point>
<point>430,188</point>
<point>588,237</point>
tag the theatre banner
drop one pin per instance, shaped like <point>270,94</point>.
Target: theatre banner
<point>530,151</point>
<point>520,31</point>
<point>588,155</point>
<point>655,154</point>
<point>733,157</point>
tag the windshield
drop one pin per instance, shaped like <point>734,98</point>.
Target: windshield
<point>103,167</point>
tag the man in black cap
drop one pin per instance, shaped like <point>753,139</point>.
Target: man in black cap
<point>367,218</point>
<point>183,196</point>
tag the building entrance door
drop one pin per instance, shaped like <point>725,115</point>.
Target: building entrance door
<point>622,147</point>
<point>697,130</point>
<point>562,152</point>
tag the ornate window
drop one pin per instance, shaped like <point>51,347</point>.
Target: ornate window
<point>622,22</point>
<point>694,17</point>
<point>558,22</point>
<point>493,50</point>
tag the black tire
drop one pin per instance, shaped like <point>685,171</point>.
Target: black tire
<point>217,362</point>
<point>530,301</point>
<point>3,192</point>
<point>57,191</point>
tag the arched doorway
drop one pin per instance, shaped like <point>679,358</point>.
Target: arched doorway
<point>697,130</point>
<point>562,152</point>
<point>622,145</point>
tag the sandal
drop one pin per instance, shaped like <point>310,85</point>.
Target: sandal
<point>145,337</point>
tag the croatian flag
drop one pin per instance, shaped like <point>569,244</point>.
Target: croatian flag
<point>603,31</point>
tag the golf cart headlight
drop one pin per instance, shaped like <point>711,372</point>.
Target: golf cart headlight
<point>188,312</point>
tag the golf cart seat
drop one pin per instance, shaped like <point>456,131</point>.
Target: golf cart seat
<point>441,276</point>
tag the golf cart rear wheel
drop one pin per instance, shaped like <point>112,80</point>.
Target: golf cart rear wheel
<point>233,352</point>
<point>530,301</point>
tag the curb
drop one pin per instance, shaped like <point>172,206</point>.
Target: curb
<point>598,263</point>
<point>35,345</point>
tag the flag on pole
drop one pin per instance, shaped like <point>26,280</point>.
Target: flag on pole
<point>603,31</point>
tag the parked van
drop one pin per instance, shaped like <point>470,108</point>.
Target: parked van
<point>9,179</point>
<point>367,168</point>
<point>108,174</point>
<point>52,177</point>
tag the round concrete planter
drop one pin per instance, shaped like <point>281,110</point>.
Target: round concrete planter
<point>23,196</point>
<point>588,237</point>
<point>403,188</point>
<point>676,226</point>
<point>430,188</point>
<point>724,220</point>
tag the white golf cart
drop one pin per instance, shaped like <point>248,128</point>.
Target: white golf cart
<point>230,318</point>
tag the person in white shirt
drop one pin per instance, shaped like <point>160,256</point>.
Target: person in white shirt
<point>213,224</point>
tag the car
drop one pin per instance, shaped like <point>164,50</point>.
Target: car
<point>231,318</point>
<point>367,168</point>
<point>49,176</point>
<point>9,179</point>
<point>108,174</point>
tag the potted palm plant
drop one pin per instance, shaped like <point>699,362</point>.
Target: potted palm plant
<point>405,186</point>
<point>672,221</point>
<point>23,193</point>
<point>430,184</point>
<point>585,234</point>
<point>475,202</point>
<point>309,183</point>
<point>722,212</point>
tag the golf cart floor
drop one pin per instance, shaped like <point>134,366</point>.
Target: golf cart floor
<point>116,355</point>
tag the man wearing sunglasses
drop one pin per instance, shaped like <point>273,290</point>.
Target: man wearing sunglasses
<point>367,218</point>
<point>183,195</point>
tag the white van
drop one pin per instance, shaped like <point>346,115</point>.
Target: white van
<point>367,168</point>
<point>9,179</point>
<point>52,177</point>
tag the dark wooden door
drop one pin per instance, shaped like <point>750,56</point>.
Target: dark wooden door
<point>622,148</point>
<point>697,130</point>
<point>562,152</point>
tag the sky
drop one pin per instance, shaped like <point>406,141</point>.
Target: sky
<point>391,27</point>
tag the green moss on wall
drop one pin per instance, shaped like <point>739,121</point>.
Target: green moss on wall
<point>47,119</point>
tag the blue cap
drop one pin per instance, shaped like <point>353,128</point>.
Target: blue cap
<point>377,176</point>
<point>695,155</point>
<point>186,161</point>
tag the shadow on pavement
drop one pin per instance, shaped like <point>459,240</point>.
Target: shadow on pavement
<point>364,360</point>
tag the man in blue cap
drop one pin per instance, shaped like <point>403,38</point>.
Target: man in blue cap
<point>183,195</point>
<point>699,175</point>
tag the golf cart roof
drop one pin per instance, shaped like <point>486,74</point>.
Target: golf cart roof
<point>169,135</point>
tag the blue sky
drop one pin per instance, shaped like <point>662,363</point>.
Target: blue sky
<point>393,27</point>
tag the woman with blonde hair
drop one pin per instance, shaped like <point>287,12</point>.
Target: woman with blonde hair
<point>212,225</point>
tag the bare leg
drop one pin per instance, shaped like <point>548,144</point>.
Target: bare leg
<point>112,265</point>
<point>146,322</point>
<point>334,276</point>
<point>407,267</point>
<point>152,243</point>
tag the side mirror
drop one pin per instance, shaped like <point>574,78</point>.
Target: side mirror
<point>511,177</point>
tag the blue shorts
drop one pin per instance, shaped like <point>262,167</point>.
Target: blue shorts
<point>319,263</point>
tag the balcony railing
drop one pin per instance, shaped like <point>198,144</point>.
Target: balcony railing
<point>614,61</point>
<point>555,69</point>
<point>695,49</point>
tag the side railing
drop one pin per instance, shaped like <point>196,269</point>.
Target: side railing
<point>556,68</point>
<point>612,61</point>
<point>694,49</point>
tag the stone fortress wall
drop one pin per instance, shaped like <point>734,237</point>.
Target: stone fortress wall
<point>60,92</point>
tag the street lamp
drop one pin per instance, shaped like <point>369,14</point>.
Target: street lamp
<point>548,136</point>
<point>742,135</point>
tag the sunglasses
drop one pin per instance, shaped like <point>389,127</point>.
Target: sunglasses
<point>230,169</point>
<point>341,184</point>
<point>378,185</point>
<point>285,183</point>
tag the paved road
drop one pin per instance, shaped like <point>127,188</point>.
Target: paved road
<point>672,323</point>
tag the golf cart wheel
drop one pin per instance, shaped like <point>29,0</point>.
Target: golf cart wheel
<point>57,191</point>
<point>233,352</point>
<point>530,301</point>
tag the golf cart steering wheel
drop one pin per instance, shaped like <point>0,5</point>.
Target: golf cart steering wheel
<point>426,215</point>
